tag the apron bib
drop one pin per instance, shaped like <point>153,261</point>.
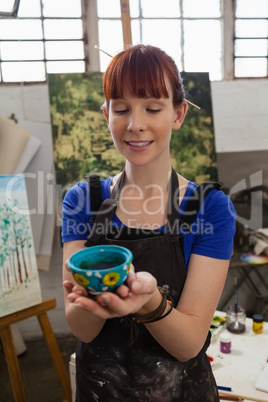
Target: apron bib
<point>124,362</point>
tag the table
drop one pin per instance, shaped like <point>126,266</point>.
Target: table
<point>248,272</point>
<point>243,366</point>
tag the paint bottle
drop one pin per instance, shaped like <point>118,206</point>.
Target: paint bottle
<point>257,323</point>
<point>225,342</point>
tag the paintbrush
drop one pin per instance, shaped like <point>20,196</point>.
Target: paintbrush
<point>235,297</point>
<point>230,398</point>
<point>236,324</point>
<point>242,397</point>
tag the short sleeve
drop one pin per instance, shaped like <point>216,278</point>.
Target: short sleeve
<point>215,227</point>
<point>76,210</point>
<point>76,213</point>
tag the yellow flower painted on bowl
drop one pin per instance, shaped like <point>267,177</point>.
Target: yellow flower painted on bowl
<point>111,279</point>
<point>81,279</point>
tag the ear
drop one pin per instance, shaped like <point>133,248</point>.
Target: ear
<point>105,108</point>
<point>180,113</point>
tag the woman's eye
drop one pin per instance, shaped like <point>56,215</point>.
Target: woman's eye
<point>121,111</point>
<point>153,110</point>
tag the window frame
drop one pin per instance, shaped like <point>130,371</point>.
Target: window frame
<point>44,40</point>
<point>90,38</point>
<point>237,57</point>
<point>181,18</point>
<point>13,12</point>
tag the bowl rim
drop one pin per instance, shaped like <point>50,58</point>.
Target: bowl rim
<point>127,254</point>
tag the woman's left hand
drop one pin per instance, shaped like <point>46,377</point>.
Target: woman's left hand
<point>127,299</point>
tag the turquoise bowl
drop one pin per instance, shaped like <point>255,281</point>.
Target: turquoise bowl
<point>100,268</point>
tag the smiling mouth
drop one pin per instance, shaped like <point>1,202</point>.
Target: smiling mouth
<point>139,144</point>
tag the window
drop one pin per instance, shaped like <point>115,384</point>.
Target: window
<point>227,38</point>
<point>188,30</point>
<point>46,37</point>
<point>251,38</point>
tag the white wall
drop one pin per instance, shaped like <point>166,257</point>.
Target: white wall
<point>240,111</point>
<point>30,105</point>
<point>240,120</point>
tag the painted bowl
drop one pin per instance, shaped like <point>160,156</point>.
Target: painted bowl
<point>100,268</point>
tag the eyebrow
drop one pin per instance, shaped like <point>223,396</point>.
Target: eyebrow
<point>146,98</point>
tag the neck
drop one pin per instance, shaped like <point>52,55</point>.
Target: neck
<point>147,175</point>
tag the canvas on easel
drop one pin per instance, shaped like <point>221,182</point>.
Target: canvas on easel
<point>83,144</point>
<point>19,279</point>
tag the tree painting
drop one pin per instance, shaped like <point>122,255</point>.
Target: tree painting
<point>19,280</point>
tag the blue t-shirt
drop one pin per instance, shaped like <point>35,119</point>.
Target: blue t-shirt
<point>212,231</point>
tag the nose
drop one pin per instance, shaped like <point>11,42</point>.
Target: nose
<point>136,124</point>
<point>135,131</point>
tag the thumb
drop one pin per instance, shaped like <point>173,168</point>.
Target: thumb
<point>144,283</point>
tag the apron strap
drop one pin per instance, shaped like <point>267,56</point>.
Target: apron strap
<point>102,221</point>
<point>173,204</point>
<point>105,214</point>
<point>118,186</point>
<point>95,195</point>
<point>196,200</point>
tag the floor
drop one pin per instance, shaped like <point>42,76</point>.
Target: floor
<point>38,373</point>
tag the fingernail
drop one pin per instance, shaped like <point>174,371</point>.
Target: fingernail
<point>131,273</point>
<point>77,291</point>
<point>104,300</point>
<point>136,286</point>
<point>78,304</point>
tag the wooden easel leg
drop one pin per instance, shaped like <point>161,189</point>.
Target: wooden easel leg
<point>55,355</point>
<point>12,364</point>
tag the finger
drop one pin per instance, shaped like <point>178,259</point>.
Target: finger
<point>131,275</point>
<point>66,266</point>
<point>109,305</point>
<point>122,291</point>
<point>120,307</point>
<point>80,290</point>
<point>68,286</point>
<point>94,307</point>
<point>75,293</point>
<point>144,283</point>
<point>116,306</point>
<point>132,268</point>
<point>72,297</point>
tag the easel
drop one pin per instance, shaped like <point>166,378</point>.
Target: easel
<point>126,22</point>
<point>40,311</point>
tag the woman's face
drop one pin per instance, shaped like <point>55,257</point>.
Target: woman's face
<point>141,127</point>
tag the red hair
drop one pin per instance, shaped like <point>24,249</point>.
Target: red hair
<point>142,69</point>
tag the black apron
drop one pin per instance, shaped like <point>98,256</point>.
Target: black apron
<point>124,362</point>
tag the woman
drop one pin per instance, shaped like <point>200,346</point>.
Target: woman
<point>133,345</point>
